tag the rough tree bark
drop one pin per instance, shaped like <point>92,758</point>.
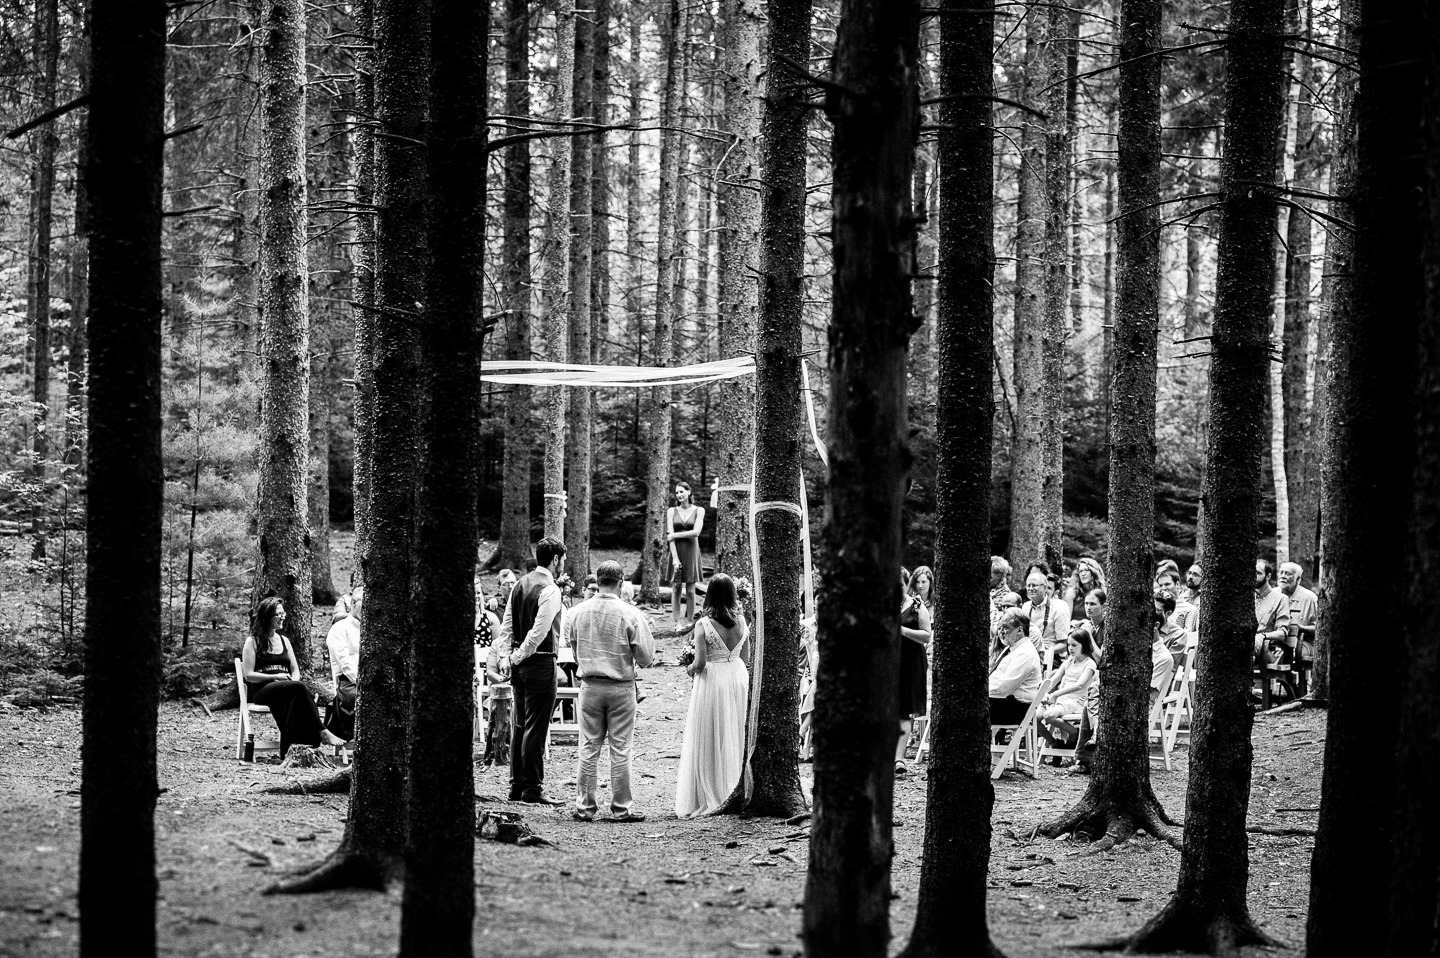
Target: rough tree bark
<point>950,910</point>
<point>1299,464</point>
<point>283,563</point>
<point>1055,336</point>
<point>739,255</point>
<point>370,853</point>
<point>1207,912</point>
<point>438,909</point>
<point>125,482</point>
<point>1413,890</point>
<point>330,278</point>
<point>514,545</point>
<point>873,105</point>
<point>582,398</point>
<point>1372,450</point>
<point>1119,798</point>
<point>363,272</point>
<point>773,773</point>
<point>1027,448</point>
<point>600,190</point>
<point>79,271</point>
<point>657,439</point>
<point>42,196</point>
<point>557,264</point>
<point>1336,289</point>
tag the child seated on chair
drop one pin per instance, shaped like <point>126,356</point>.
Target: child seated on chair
<point>500,695</point>
<point>1071,684</point>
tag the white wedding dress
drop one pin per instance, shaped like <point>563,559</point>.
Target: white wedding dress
<point>713,753</point>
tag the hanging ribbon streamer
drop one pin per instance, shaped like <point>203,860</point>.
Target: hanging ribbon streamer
<point>537,373</point>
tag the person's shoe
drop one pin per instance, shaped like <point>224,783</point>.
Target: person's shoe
<point>630,816</point>
<point>516,795</point>
<point>1079,769</point>
<point>540,798</point>
<point>900,769</point>
<point>580,816</point>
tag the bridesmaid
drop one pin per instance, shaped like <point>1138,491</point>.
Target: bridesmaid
<point>915,632</point>
<point>683,522</point>
<point>273,680</point>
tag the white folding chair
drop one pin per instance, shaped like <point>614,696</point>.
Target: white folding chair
<point>245,731</point>
<point>1044,748</point>
<point>1021,753</point>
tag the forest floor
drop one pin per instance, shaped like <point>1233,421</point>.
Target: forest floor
<point>716,886</point>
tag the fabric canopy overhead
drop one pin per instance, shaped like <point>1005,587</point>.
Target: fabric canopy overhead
<point>536,373</point>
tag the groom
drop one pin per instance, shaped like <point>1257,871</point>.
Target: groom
<point>533,612</point>
<point>611,639</point>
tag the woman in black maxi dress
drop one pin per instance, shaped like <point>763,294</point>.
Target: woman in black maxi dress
<point>272,679</point>
<point>914,637</point>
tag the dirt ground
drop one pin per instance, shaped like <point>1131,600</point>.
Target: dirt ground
<point>717,886</point>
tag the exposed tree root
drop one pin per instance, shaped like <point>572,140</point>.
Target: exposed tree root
<point>1281,830</point>
<point>1183,926</point>
<point>344,868</point>
<point>945,949</point>
<point>1115,823</point>
<point>337,784</point>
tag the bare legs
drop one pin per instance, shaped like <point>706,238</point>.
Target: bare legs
<point>676,588</point>
<point>905,726</point>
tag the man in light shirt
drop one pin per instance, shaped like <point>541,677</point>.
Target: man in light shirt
<point>611,640</point>
<point>1049,617</point>
<point>533,613</point>
<point>1272,616</point>
<point>1304,608</point>
<point>343,643</point>
<point>1015,679</point>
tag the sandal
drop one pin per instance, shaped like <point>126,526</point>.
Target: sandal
<point>900,769</point>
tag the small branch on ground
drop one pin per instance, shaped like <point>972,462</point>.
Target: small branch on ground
<point>337,784</point>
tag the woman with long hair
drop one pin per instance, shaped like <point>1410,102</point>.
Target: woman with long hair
<point>272,679</point>
<point>683,523</point>
<point>1087,577</point>
<point>1070,686</point>
<point>712,755</point>
<point>915,633</point>
<point>922,586</point>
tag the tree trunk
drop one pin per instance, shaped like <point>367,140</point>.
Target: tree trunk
<point>1337,291</point>
<point>370,853</point>
<point>363,272</point>
<point>1370,459</point>
<point>950,910</point>
<point>1299,465</point>
<point>1055,338</point>
<point>739,201</point>
<point>47,48</point>
<point>125,482</point>
<point>634,260</point>
<point>330,275</point>
<point>772,779</point>
<point>515,285</point>
<point>1107,307</point>
<point>557,265</point>
<point>1028,533</point>
<point>1119,798</point>
<point>1208,911</point>
<point>582,398</point>
<point>79,272</point>
<point>1413,887</point>
<point>873,105</point>
<point>283,563</point>
<point>438,909</point>
<point>657,444</point>
<point>600,192</point>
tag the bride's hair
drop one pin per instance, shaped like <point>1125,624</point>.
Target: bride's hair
<point>720,599</point>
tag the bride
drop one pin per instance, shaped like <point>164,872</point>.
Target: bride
<point>713,752</point>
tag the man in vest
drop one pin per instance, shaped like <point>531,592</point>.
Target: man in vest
<point>533,615</point>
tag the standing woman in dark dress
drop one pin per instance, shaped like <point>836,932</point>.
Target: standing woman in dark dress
<point>273,680</point>
<point>683,522</point>
<point>914,638</point>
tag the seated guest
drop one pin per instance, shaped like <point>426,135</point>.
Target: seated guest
<point>1193,578</point>
<point>1049,617</point>
<point>498,695</point>
<point>1095,612</point>
<point>1071,685</point>
<point>272,679</point>
<point>343,643</point>
<point>1088,577</point>
<point>1015,678</point>
<point>1304,609</point>
<point>1272,617</point>
<point>1172,634</point>
<point>496,604</point>
<point>1162,663</point>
